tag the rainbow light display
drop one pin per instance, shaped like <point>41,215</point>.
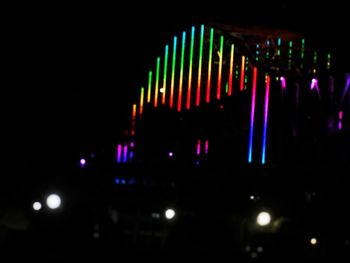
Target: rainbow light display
<point>206,46</point>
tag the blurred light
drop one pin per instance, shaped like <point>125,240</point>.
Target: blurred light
<point>123,181</point>
<point>247,248</point>
<point>36,206</point>
<point>263,219</point>
<point>260,249</point>
<point>253,254</point>
<point>82,162</point>
<point>117,181</point>
<point>171,154</point>
<point>132,181</point>
<point>53,201</point>
<point>156,215</point>
<point>252,197</point>
<point>169,213</point>
<point>161,90</point>
<point>313,241</point>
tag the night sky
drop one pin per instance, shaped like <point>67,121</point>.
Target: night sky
<point>73,71</point>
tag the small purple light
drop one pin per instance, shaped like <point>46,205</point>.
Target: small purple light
<point>171,154</point>
<point>123,181</point>
<point>82,162</point>
<point>340,122</point>
<point>117,181</point>
<point>132,144</point>
<point>283,83</point>
<point>197,163</point>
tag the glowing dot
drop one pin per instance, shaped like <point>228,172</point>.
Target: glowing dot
<point>313,241</point>
<point>263,219</point>
<point>252,197</point>
<point>53,201</point>
<point>36,206</point>
<point>171,154</point>
<point>169,213</point>
<point>82,162</point>
<point>260,249</point>
<point>161,90</point>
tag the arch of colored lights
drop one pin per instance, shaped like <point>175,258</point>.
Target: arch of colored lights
<point>207,64</point>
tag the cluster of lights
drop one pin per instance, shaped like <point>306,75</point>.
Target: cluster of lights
<point>123,181</point>
<point>53,202</point>
<point>125,152</point>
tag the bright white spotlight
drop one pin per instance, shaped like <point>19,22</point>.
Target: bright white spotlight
<point>36,206</point>
<point>53,201</point>
<point>169,213</point>
<point>313,241</point>
<point>263,219</point>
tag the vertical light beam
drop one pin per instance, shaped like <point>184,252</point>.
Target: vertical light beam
<point>125,153</point>
<point>165,73</point>
<point>188,101</point>
<point>231,70</point>
<point>218,91</point>
<point>290,54</point>
<point>250,152</point>
<point>266,112</point>
<point>241,85</point>
<point>119,153</point>
<point>133,119</point>
<point>198,95</point>
<point>173,74</point>
<point>207,98</point>
<point>198,147</point>
<point>206,146</point>
<point>149,87</point>
<point>157,84</point>
<point>340,122</point>
<point>283,84</point>
<point>179,101</point>
<point>328,61</point>
<point>142,95</point>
